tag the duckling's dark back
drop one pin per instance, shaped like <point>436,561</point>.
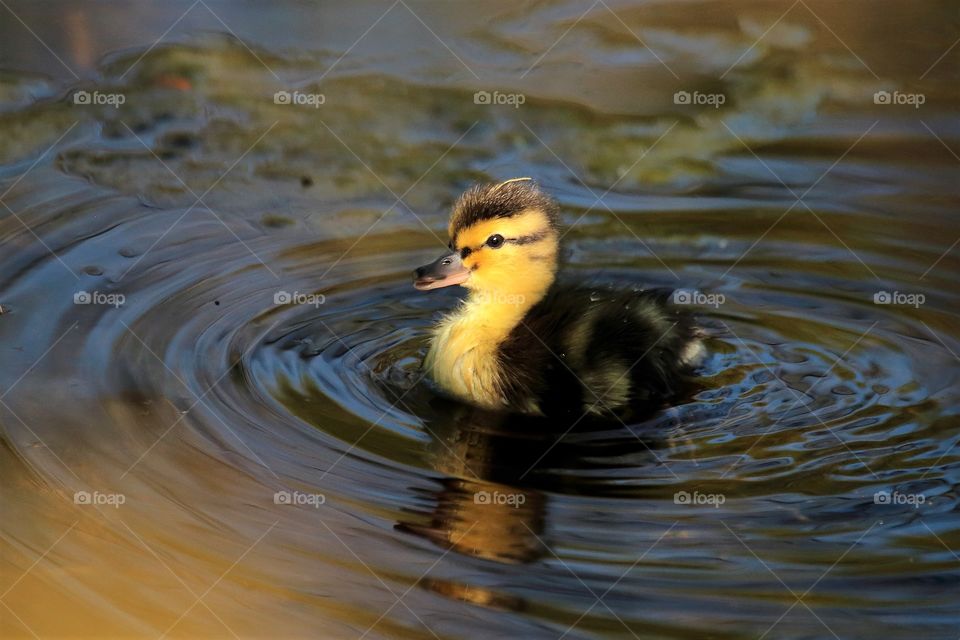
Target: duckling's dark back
<point>598,350</point>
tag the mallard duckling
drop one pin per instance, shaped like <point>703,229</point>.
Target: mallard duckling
<point>521,341</point>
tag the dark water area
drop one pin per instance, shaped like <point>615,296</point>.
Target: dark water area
<point>212,415</point>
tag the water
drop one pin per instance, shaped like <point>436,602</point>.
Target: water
<point>253,338</point>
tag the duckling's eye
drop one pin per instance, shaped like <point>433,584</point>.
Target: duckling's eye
<point>495,241</point>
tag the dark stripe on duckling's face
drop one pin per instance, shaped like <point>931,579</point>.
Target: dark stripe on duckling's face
<point>529,239</point>
<point>521,240</point>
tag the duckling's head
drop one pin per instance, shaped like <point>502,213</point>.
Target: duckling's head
<point>504,243</point>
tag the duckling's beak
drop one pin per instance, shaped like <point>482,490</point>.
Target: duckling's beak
<point>443,272</point>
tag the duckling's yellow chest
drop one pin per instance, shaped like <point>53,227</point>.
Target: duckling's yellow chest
<point>463,361</point>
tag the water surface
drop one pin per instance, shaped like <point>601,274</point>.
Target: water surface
<point>241,398</point>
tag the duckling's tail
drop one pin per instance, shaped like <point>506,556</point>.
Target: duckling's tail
<point>694,352</point>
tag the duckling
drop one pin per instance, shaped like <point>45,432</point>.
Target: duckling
<point>522,341</point>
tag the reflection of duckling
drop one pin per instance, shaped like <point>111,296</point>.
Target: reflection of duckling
<point>522,341</point>
<point>485,520</point>
<point>480,509</point>
<point>498,476</point>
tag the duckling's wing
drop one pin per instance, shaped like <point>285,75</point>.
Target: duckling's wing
<point>600,350</point>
